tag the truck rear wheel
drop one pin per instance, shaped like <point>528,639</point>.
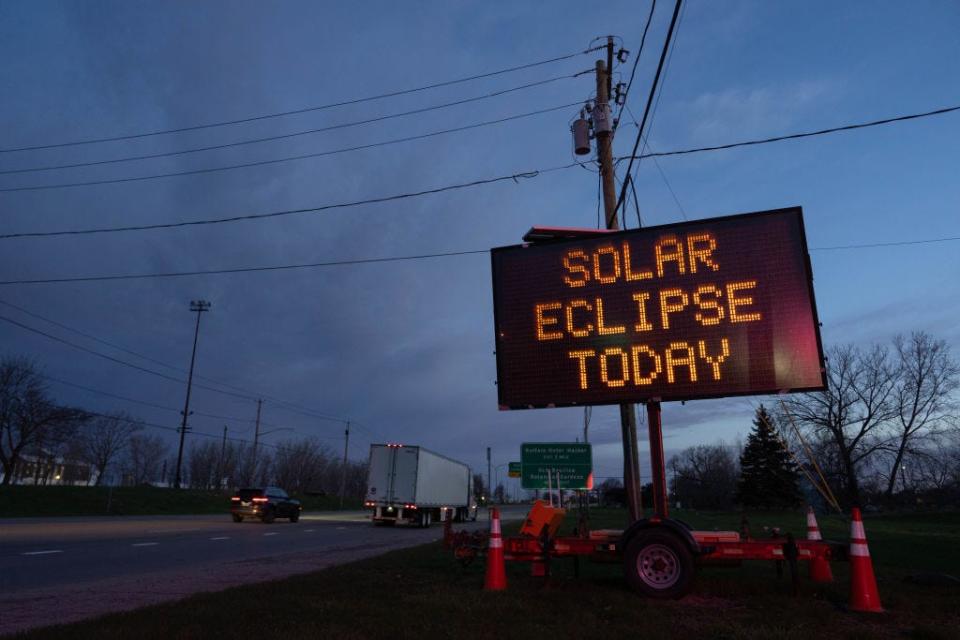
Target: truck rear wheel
<point>424,521</point>
<point>658,564</point>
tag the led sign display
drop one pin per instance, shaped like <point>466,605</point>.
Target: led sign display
<point>701,309</point>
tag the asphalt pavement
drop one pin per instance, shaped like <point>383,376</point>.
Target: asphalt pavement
<point>63,569</point>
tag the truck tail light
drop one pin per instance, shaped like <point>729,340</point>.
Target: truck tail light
<point>409,506</point>
<point>261,499</point>
<point>235,499</point>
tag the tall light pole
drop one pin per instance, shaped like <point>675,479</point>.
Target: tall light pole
<point>198,307</point>
<point>489,479</point>
<point>343,467</point>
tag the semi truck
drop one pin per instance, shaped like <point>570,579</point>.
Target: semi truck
<point>413,485</point>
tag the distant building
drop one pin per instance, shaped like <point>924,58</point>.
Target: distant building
<point>41,469</point>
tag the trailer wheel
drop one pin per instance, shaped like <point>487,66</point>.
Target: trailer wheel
<point>659,564</point>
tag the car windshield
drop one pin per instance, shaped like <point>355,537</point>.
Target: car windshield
<point>248,494</point>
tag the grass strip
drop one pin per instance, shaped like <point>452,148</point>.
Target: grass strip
<point>421,591</point>
<point>50,501</point>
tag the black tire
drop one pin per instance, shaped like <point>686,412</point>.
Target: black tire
<point>658,564</point>
<point>237,517</point>
<point>269,516</point>
<point>295,517</point>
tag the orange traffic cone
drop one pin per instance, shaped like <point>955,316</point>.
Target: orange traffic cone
<point>863,584</point>
<point>496,579</point>
<point>819,566</point>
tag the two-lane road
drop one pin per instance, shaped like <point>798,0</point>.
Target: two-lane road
<point>56,570</point>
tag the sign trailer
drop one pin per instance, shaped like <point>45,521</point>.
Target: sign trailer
<point>702,309</point>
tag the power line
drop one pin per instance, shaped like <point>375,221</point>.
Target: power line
<point>92,337</point>
<point>653,91</point>
<point>795,136</point>
<point>319,154</point>
<point>284,136</point>
<point>514,177</point>
<point>391,94</point>
<point>275,402</point>
<point>149,359</point>
<point>141,276</point>
<point>311,265</point>
<point>663,175</point>
<point>115,360</point>
<point>146,403</point>
<point>899,243</point>
<point>286,212</point>
<point>636,60</point>
<point>154,425</point>
<point>653,115</point>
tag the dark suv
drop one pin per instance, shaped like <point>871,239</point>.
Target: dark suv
<point>267,504</point>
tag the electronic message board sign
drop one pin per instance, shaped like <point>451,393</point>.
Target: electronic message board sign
<point>707,308</point>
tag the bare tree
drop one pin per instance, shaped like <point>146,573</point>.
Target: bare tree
<point>851,413</point>
<point>104,439</point>
<point>936,466</point>
<point>705,476</point>
<point>300,466</point>
<point>144,458</point>
<point>30,422</point>
<point>357,479</point>
<point>479,486</point>
<point>202,462</point>
<point>227,465</point>
<point>926,378</point>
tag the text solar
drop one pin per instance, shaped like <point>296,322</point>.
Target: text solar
<point>700,309</point>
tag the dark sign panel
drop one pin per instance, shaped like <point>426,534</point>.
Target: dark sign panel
<point>700,309</point>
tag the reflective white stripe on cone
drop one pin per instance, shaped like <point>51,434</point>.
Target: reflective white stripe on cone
<point>496,576</point>
<point>863,584</point>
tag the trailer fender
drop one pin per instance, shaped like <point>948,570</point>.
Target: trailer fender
<point>676,527</point>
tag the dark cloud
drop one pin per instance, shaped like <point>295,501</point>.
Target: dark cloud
<point>406,349</point>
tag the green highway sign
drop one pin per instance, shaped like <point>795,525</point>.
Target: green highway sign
<point>515,470</point>
<point>563,465</point>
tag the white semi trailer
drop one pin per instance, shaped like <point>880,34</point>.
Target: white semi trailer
<point>413,485</point>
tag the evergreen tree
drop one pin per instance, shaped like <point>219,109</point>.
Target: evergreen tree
<point>768,478</point>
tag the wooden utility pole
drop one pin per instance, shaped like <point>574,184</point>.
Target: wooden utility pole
<point>343,471</point>
<point>253,454</point>
<point>603,130</point>
<point>198,307</point>
<point>223,450</point>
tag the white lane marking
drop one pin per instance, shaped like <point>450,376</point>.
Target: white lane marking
<point>340,528</point>
<point>272,533</point>
<point>221,538</point>
<point>41,553</point>
<point>174,530</point>
<point>144,544</point>
<point>309,530</point>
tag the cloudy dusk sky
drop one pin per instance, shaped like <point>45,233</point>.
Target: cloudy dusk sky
<point>405,349</point>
